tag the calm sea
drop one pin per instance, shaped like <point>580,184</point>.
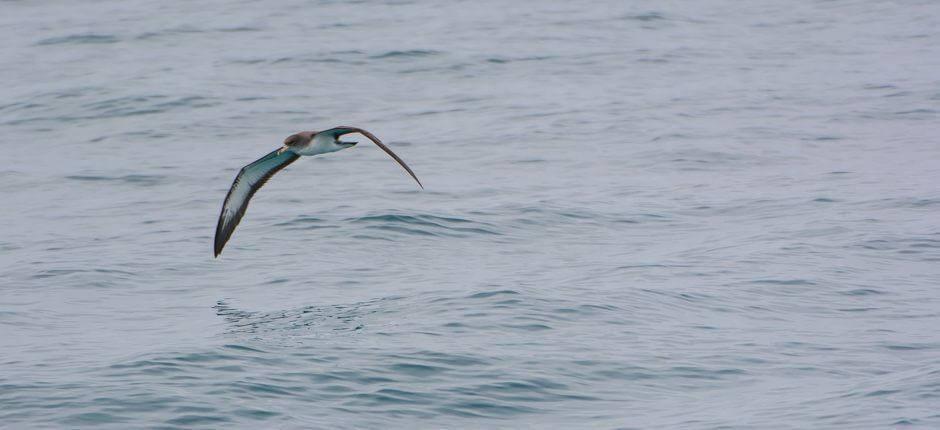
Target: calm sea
<point>677,214</point>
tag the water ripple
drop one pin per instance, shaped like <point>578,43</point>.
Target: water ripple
<point>79,39</point>
<point>425,225</point>
<point>405,54</point>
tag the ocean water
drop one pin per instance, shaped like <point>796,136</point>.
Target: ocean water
<point>684,215</point>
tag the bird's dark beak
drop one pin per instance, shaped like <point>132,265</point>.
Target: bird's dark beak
<point>346,144</point>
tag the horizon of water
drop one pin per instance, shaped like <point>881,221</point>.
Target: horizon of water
<point>679,215</point>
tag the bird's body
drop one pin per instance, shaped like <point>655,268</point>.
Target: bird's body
<point>251,177</point>
<point>313,143</point>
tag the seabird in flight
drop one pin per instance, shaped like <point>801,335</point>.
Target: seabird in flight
<point>254,175</point>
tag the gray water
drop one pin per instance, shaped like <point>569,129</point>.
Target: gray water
<point>685,215</point>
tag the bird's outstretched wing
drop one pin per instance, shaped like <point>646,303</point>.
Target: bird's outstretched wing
<point>246,184</point>
<point>341,130</point>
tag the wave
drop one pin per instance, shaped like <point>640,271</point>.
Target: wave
<point>77,39</point>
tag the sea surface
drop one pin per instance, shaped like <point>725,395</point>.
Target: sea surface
<point>676,214</point>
